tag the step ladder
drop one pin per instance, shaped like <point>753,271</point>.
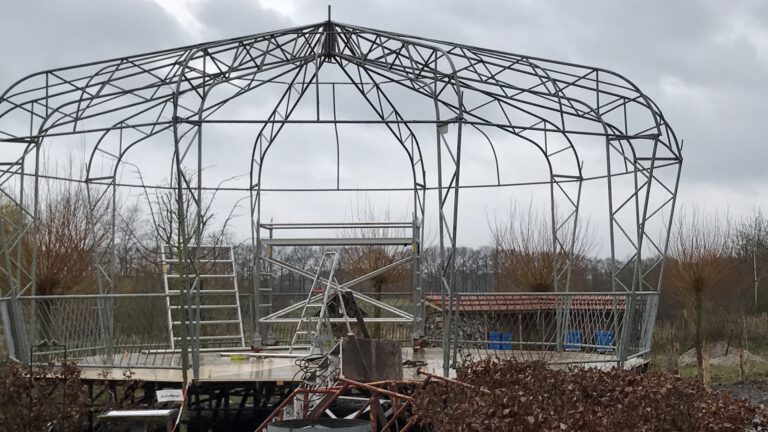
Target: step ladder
<point>314,331</point>
<point>213,302</point>
<point>267,279</point>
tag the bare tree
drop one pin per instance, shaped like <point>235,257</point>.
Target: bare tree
<point>360,260</point>
<point>182,217</point>
<point>14,221</point>
<point>751,247</point>
<point>59,251</point>
<point>526,256</point>
<point>128,232</point>
<point>66,240</point>
<point>698,259</point>
<point>180,220</point>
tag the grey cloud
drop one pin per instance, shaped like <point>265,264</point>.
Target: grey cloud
<point>40,34</point>
<point>653,43</point>
<point>706,73</point>
<point>233,18</point>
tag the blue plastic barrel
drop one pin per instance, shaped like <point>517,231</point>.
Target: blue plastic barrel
<point>493,340</point>
<point>573,340</point>
<point>604,340</point>
<point>506,342</point>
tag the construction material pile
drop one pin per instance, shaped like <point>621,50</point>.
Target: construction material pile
<point>504,395</point>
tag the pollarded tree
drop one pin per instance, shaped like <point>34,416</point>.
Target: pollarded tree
<point>698,259</point>
<point>525,252</point>
<point>62,247</point>
<point>358,261</point>
<point>66,240</point>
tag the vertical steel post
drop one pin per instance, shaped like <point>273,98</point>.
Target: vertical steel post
<point>417,331</point>
<point>182,252</point>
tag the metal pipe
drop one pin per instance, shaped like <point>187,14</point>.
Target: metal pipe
<point>421,371</point>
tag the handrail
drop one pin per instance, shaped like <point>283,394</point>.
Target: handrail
<point>399,403</point>
<point>555,294</point>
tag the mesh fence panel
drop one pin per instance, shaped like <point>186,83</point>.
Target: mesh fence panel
<point>570,328</point>
<point>567,328</point>
<point>115,331</point>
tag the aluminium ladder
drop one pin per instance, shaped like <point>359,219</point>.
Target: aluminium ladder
<point>213,303</point>
<point>313,330</point>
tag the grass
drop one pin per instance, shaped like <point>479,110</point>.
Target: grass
<point>720,374</point>
<point>727,374</point>
<point>671,337</point>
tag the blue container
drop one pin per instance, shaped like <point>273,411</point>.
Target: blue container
<point>573,340</point>
<point>604,340</point>
<point>506,342</point>
<point>493,340</point>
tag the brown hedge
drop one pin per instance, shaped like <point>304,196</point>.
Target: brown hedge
<point>528,396</point>
<point>50,398</point>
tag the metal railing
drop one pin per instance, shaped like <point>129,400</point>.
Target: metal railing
<point>564,328</point>
<point>130,330</point>
<point>110,331</point>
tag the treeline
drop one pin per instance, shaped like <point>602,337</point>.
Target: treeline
<point>733,276</point>
<point>477,270</point>
<point>717,262</point>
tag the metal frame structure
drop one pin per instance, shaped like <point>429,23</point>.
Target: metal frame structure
<point>171,96</point>
<point>388,238</point>
<point>384,404</point>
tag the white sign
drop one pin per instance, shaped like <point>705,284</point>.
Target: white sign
<point>170,395</point>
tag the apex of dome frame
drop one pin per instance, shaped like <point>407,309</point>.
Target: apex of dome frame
<point>452,74</point>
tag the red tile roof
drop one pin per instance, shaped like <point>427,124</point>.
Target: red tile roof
<point>513,303</point>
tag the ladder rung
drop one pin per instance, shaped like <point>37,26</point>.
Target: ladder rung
<point>210,337</point>
<point>203,292</point>
<point>219,263</point>
<point>305,332</point>
<point>212,322</point>
<point>222,247</point>
<point>265,289</point>
<point>338,320</point>
<point>198,261</point>
<point>265,305</point>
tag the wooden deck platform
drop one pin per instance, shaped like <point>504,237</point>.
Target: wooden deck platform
<point>220,367</point>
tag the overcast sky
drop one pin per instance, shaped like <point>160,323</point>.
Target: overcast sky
<point>705,63</point>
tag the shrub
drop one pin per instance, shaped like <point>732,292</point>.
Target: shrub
<point>528,396</point>
<point>52,398</point>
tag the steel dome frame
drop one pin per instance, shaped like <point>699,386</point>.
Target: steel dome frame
<point>545,103</point>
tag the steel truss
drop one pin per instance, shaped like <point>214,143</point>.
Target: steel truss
<point>393,315</point>
<point>172,95</point>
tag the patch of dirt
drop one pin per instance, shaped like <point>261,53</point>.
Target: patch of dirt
<point>756,393</point>
<point>718,357</point>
